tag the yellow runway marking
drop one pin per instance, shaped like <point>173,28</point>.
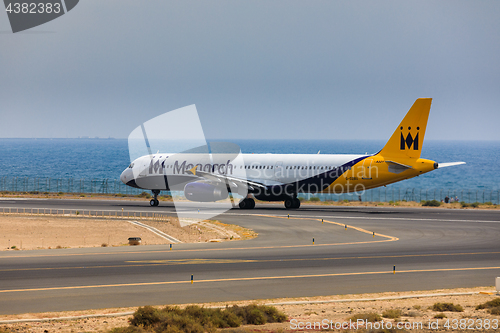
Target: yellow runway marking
<point>187,281</point>
<point>389,239</point>
<point>197,261</point>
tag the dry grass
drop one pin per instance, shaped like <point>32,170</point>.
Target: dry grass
<point>392,313</point>
<point>447,307</point>
<point>368,316</point>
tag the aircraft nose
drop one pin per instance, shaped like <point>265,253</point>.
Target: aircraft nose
<point>126,176</point>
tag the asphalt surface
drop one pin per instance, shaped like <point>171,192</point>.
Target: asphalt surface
<point>430,249</point>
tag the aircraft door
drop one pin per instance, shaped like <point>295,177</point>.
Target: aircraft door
<point>278,171</point>
<point>367,169</point>
<point>144,167</point>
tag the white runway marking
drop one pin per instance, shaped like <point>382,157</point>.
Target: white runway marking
<point>156,231</point>
<point>365,218</point>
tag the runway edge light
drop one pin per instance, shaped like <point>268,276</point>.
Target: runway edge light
<point>497,283</point>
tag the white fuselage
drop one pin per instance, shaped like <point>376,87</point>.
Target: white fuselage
<point>267,169</point>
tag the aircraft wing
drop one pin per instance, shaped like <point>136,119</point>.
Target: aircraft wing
<point>444,165</point>
<point>224,179</point>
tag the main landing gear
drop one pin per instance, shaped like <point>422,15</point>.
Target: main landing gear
<point>154,202</point>
<point>247,203</point>
<point>292,203</point>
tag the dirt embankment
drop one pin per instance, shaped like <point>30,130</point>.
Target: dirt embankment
<point>52,232</point>
<point>413,312</point>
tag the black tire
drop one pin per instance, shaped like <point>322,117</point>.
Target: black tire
<point>152,203</point>
<point>251,203</point>
<point>296,203</point>
<point>243,204</point>
<point>289,203</point>
<point>248,203</point>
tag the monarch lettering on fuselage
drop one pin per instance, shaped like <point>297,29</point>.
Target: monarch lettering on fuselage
<point>155,167</point>
<point>223,168</point>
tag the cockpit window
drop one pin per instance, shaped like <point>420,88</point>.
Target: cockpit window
<point>131,165</point>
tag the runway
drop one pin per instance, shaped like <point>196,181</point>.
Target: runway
<point>430,249</point>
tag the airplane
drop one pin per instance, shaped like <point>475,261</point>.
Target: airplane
<point>281,177</point>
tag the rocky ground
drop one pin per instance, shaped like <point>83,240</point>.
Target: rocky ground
<point>304,312</point>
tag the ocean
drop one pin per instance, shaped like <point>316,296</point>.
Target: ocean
<point>105,159</point>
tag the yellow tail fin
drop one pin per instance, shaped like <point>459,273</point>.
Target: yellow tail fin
<point>407,140</point>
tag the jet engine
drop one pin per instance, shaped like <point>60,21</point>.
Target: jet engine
<point>203,192</point>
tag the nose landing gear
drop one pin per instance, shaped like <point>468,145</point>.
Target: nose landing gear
<point>154,202</point>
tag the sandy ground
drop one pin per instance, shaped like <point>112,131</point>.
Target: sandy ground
<point>21,232</point>
<point>414,310</point>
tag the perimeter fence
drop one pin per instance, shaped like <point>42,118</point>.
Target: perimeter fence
<point>114,186</point>
<point>66,185</point>
<point>90,213</point>
<point>387,194</point>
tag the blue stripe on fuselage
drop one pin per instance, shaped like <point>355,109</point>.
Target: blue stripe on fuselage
<point>316,183</point>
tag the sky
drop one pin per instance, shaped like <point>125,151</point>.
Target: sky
<point>255,69</point>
